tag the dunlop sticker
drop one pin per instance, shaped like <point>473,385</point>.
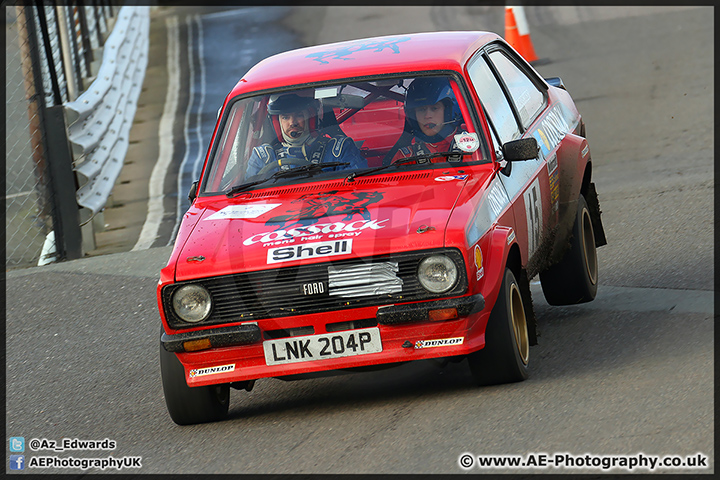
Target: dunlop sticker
<point>201,372</point>
<point>441,342</point>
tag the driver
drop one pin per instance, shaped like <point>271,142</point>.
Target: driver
<point>433,115</point>
<point>298,140</point>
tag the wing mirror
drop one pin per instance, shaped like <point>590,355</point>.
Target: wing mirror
<point>522,149</point>
<point>192,195</point>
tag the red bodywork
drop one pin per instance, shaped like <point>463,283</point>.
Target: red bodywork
<point>476,209</point>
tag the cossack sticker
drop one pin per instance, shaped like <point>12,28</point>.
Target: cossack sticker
<point>315,231</point>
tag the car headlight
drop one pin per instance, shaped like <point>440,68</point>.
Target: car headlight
<point>192,303</point>
<point>437,274</point>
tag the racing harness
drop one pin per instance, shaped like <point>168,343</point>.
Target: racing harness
<point>311,152</point>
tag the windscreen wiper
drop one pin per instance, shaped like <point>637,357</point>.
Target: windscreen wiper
<point>310,168</point>
<point>305,169</point>
<point>403,161</point>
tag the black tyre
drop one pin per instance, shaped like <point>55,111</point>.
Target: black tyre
<point>504,359</point>
<point>574,279</point>
<point>190,405</point>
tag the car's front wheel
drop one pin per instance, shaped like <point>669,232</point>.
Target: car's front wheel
<point>190,405</point>
<point>574,279</point>
<point>504,359</point>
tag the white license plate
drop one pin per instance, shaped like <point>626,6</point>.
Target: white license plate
<point>326,345</point>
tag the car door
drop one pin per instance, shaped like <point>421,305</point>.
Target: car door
<point>513,101</point>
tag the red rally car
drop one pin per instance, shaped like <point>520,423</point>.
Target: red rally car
<point>373,202</point>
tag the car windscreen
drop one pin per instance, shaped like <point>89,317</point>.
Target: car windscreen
<point>334,130</point>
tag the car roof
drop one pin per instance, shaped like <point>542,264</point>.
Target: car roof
<point>365,57</point>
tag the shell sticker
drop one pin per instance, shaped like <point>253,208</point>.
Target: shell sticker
<point>479,263</point>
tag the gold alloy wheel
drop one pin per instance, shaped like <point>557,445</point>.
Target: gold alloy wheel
<point>519,322</point>
<point>588,245</point>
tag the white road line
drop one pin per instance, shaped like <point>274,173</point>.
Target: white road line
<point>186,127</point>
<point>199,160</point>
<point>200,156</point>
<point>155,214</point>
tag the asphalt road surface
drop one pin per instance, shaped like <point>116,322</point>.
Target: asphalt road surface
<point>628,374</point>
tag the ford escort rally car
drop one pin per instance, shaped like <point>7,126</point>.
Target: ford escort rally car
<point>373,202</point>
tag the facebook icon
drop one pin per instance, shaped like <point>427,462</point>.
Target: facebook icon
<point>17,462</point>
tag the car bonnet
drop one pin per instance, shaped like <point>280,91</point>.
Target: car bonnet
<point>319,222</point>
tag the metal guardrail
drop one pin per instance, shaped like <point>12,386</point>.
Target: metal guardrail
<point>99,120</point>
<point>82,63</point>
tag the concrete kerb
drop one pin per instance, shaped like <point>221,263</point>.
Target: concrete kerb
<point>145,263</point>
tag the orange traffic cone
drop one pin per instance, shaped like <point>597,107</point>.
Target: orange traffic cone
<point>517,33</point>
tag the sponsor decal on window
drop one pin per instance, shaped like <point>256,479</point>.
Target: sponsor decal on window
<point>467,142</point>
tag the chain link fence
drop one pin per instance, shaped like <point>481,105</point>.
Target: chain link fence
<point>28,214</point>
<point>52,53</point>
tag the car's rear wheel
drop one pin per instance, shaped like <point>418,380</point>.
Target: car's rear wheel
<point>190,405</point>
<point>506,354</point>
<point>574,279</point>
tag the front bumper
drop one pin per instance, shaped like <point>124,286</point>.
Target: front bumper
<point>217,337</point>
<point>401,328</point>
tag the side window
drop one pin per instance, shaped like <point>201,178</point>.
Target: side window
<point>493,99</point>
<point>526,96</point>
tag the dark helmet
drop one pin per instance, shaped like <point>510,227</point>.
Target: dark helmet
<point>428,91</point>
<point>290,103</point>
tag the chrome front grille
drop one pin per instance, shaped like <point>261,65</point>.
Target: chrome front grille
<point>336,285</point>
